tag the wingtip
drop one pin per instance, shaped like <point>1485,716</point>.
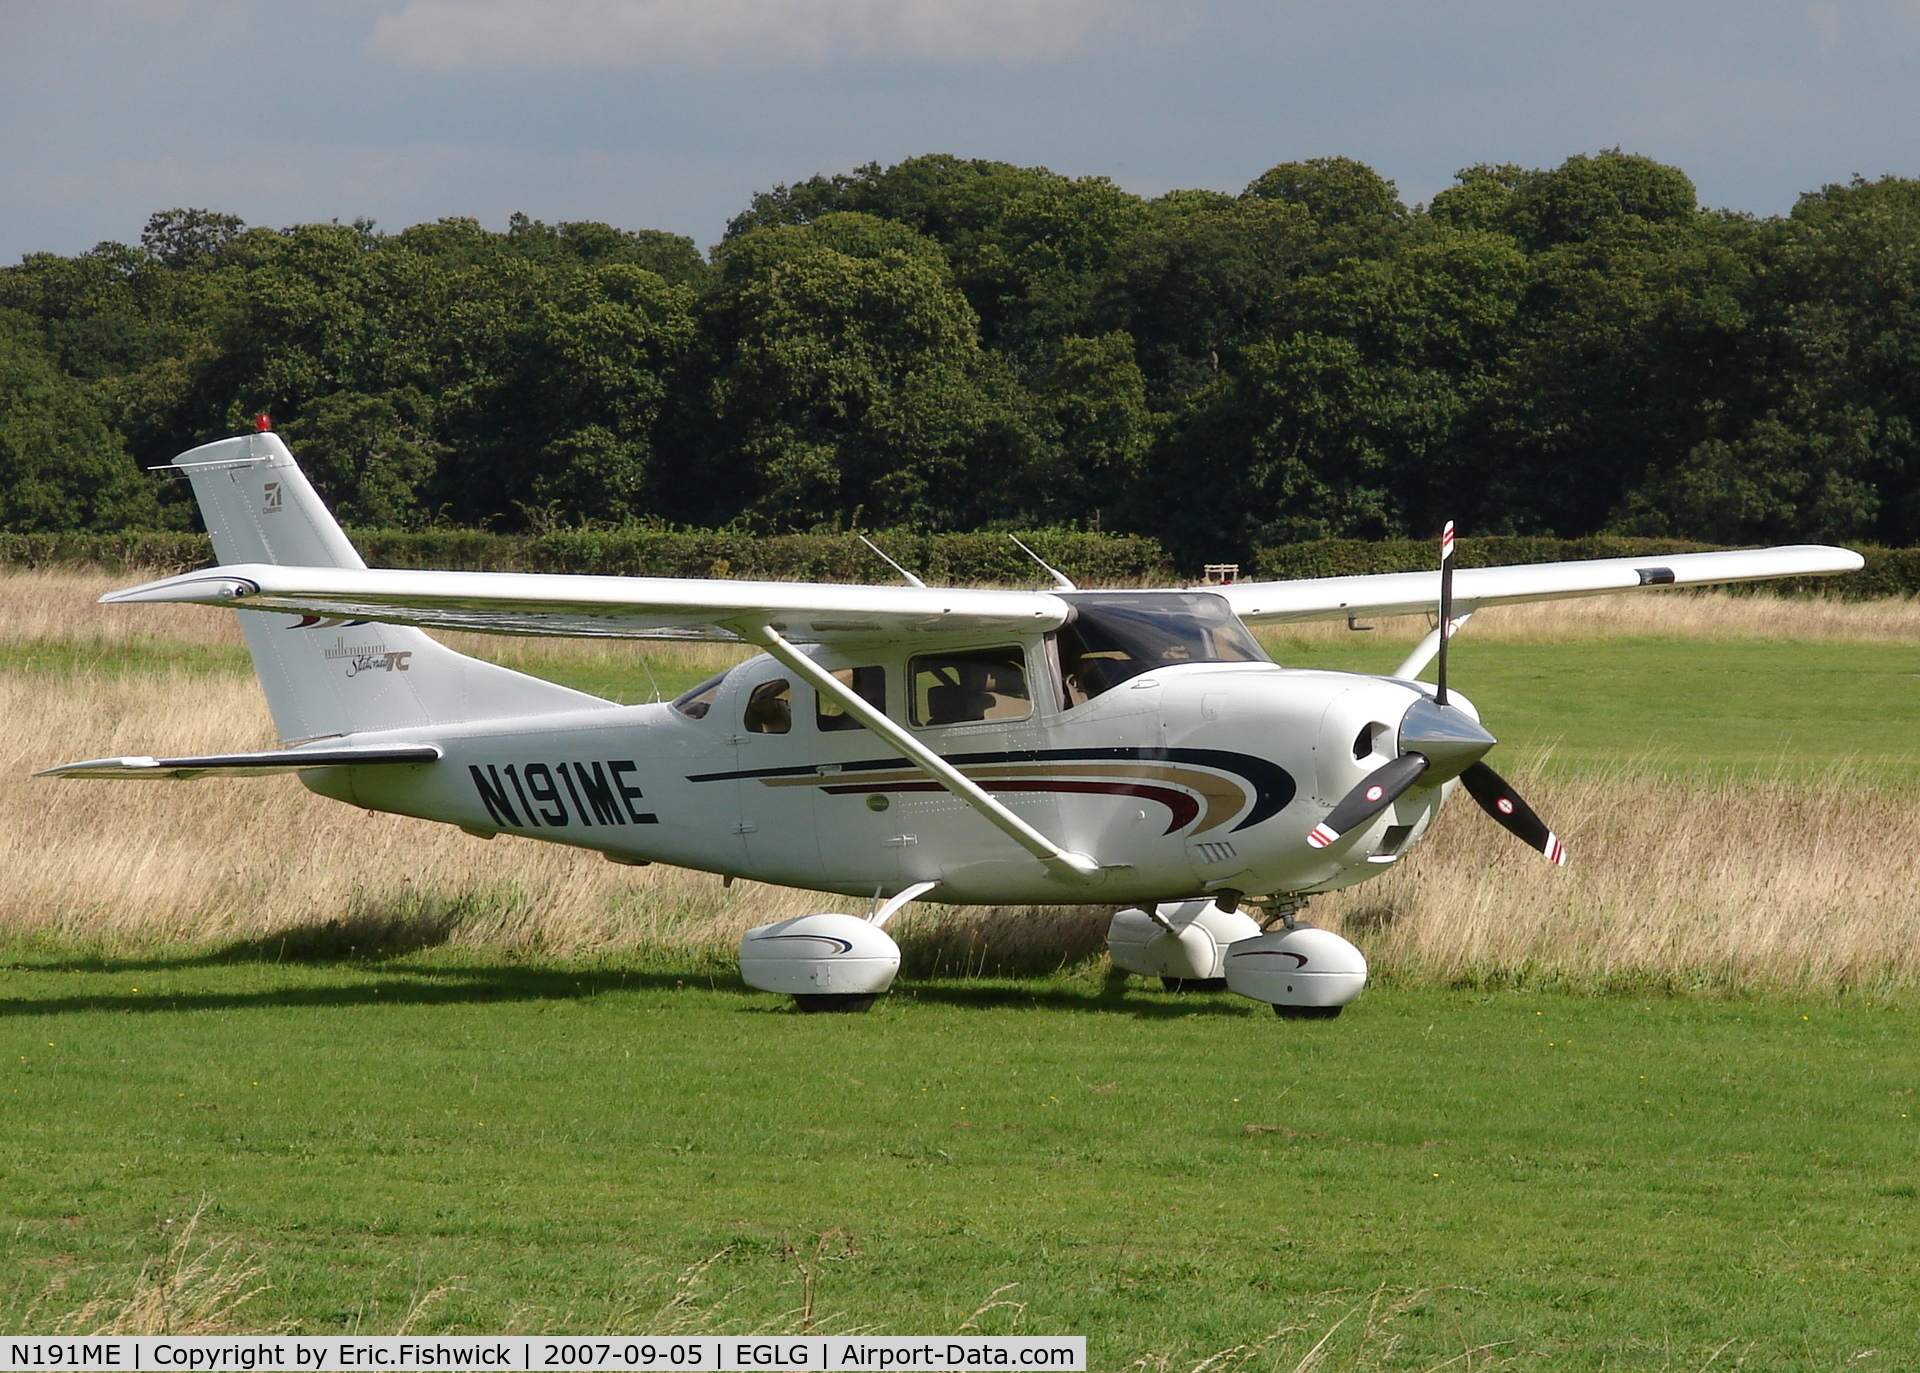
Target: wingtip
<point>97,767</point>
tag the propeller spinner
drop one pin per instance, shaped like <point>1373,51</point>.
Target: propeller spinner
<point>1438,742</point>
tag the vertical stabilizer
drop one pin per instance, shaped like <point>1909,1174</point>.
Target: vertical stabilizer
<point>323,676</point>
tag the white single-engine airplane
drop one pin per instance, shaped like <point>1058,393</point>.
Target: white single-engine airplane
<point>894,743</point>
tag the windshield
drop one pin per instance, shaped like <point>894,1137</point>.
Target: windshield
<point>695,703</point>
<point>1109,639</point>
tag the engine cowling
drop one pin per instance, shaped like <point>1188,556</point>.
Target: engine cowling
<point>1304,971</point>
<point>828,962</point>
<point>1194,950</point>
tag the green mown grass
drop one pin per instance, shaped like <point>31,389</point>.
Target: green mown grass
<point>1739,707</point>
<point>1597,1183</point>
<point>63,658</point>
<point>1585,1183</point>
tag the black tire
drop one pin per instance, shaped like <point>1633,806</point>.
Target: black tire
<point>1194,984</point>
<point>835,1003</point>
<point>1307,1012</point>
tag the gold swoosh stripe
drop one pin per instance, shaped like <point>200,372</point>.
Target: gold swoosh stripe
<point>1224,798</point>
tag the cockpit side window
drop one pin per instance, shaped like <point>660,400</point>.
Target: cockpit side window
<point>868,683</point>
<point>695,702</point>
<point>1111,639</point>
<point>975,684</point>
<point>770,708</point>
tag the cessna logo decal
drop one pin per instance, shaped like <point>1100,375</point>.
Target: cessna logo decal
<point>270,496</point>
<point>599,791</point>
<point>368,657</point>
<point>1184,780</point>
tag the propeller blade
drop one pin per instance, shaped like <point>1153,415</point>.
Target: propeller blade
<point>1446,612</point>
<point>1377,790</point>
<point>1500,801</point>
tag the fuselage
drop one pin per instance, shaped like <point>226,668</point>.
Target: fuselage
<point>1182,779</point>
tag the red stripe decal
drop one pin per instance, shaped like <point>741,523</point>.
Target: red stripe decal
<point>1183,807</point>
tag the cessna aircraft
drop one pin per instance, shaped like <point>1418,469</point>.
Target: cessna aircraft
<point>894,743</point>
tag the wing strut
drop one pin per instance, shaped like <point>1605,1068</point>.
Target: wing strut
<point>1076,867</point>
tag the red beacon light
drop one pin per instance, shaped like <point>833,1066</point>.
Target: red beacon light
<point>263,422</point>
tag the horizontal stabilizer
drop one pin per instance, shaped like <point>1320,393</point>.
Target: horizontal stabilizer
<point>247,764</point>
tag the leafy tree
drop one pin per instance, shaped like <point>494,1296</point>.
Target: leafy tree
<point>953,343</point>
<point>1022,242</point>
<point>1628,350</point>
<point>371,455</point>
<point>185,238</point>
<point>1334,190</point>
<point>62,467</point>
<point>1345,426</point>
<point>1098,396</point>
<point>848,384</point>
<point>1571,202</point>
<point>1203,277</point>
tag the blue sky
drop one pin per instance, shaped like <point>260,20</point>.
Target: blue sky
<point>671,113</point>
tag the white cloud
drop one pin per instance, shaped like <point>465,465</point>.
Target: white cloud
<point>563,34</point>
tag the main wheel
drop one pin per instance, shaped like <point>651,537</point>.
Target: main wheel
<point>842,1003</point>
<point>1194,984</point>
<point>1307,1012</point>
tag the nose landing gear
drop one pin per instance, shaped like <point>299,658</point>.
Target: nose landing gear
<point>1302,971</point>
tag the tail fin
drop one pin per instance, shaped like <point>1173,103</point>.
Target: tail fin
<point>329,677</point>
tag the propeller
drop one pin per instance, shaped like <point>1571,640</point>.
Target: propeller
<point>1438,742</point>
<point>1377,790</point>
<point>1500,801</point>
<point>1446,613</point>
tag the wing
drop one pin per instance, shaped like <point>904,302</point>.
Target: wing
<point>546,603</point>
<point>1413,593</point>
<point>247,764</point>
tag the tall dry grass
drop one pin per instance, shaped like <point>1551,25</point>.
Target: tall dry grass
<point>197,1286</point>
<point>1676,884</point>
<point>1703,883</point>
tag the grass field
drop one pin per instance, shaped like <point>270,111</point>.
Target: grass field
<point>538,1098</point>
<point>480,1145</point>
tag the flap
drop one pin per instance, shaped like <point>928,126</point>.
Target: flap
<point>548,603</point>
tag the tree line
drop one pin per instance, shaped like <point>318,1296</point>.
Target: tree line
<point>953,344</point>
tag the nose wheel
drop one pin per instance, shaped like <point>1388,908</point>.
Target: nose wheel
<point>1303,972</point>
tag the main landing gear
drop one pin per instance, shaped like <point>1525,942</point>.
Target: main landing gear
<point>1303,972</point>
<point>831,962</point>
<point>841,963</point>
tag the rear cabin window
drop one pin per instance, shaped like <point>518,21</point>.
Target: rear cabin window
<point>695,702</point>
<point>978,684</point>
<point>1111,639</point>
<point>770,708</point>
<point>868,683</point>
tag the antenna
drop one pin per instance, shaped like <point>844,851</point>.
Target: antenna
<point>911,579</point>
<point>1060,579</point>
